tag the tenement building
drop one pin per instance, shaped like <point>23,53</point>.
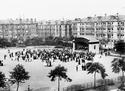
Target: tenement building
<point>56,28</point>
<point>108,27</point>
<point>19,29</point>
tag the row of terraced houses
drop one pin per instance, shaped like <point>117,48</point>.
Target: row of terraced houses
<point>110,27</point>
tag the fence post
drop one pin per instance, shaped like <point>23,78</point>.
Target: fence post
<point>75,87</point>
<point>71,89</point>
<point>87,85</point>
<point>67,88</point>
<point>108,81</point>
<point>91,85</point>
<point>63,89</point>
<point>112,81</point>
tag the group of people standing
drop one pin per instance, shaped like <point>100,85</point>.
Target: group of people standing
<point>50,56</point>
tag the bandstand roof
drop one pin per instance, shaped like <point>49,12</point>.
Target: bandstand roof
<point>86,39</point>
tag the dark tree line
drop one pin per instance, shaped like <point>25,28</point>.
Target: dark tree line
<point>8,43</point>
<point>36,41</point>
<point>120,47</point>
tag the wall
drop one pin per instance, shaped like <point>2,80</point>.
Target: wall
<point>91,48</point>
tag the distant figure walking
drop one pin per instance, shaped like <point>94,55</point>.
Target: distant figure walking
<point>76,67</point>
<point>28,87</point>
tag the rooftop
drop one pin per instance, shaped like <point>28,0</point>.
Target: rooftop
<point>89,38</point>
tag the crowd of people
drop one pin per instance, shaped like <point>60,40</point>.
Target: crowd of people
<point>50,56</point>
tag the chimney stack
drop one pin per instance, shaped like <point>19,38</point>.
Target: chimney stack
<point>105,15</point>
<point>117,14</point>
<point>95,15</point>
<point>31,20</point>
<point>27,20</point>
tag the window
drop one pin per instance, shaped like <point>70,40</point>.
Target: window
<point>122,28</point>
<point>123,23</point>
<point>104,28</point>
<point>108,28</point>
<point>94,46</point>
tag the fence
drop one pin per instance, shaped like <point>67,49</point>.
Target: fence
<point>99,83</point>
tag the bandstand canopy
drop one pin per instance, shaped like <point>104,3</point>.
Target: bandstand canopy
<point>86,39</point>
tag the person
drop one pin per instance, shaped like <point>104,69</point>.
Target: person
<point>76,67</point>
<point>1,62</point>
<point>5,57</point>
<point>100,56</point>
<point>83,67</point>
<point>28,87</point>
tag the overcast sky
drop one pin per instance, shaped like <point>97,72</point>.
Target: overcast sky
<point>59,9</point>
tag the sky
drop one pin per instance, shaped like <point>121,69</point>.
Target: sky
<point>59,9</point>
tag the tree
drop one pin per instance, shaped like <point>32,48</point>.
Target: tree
<point>118,65</point>
<point>4,42</point>
<point>94,68</point>
<point>14,42</point>
<point>18,75</point>
<point>120,47</point>
<point>59,72</point>
<point>2,80</point>
<point>103,75</point>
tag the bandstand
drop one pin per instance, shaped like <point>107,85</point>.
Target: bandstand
<point>86,43</point>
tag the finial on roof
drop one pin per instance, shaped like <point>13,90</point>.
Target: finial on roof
<point>117,14</point>
<point>27,19</point>
<point>105,14</point>
<point>35,20</point>
<point>31,20</point>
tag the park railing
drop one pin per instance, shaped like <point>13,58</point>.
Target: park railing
<point>99,83</point>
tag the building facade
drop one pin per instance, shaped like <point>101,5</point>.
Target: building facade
<point>110,27</point>
<point>18,29</point>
